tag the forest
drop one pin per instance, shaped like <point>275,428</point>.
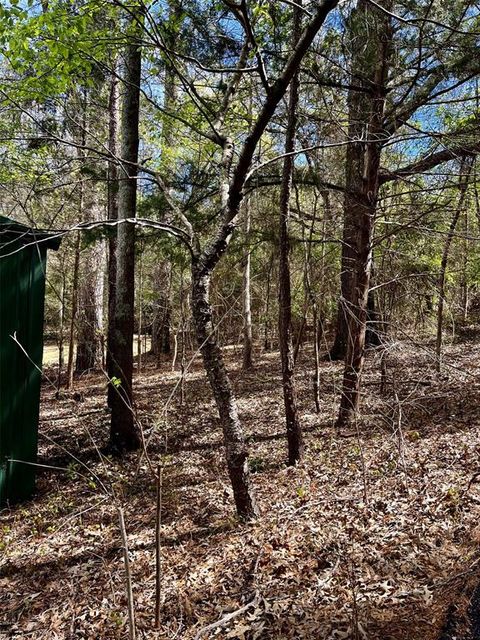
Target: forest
<point>240,319</point>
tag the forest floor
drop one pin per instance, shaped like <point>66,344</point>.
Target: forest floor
<point>376,535</point>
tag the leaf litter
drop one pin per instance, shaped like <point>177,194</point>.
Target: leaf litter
<point>375,535</point>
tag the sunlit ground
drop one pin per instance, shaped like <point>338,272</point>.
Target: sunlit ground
<point>50,351</point>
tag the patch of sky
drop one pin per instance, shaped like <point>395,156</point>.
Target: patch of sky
<point>431,122</point>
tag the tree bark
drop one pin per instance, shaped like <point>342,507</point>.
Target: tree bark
<point>161,325</point>
<point>247,301</point>
<point>123,431</point>
<point>372,334</point>
<point>370,43</point>
<point>140,314</point>
<point>112,195</point>
<point>90,296</point>
<point>60,334</point>
<point>310,293</point>
<point>74,308</point>
<point>235,447</point>
<point>463,184</point>
<point>294,429</point>
<point>267,337</point>
<point>339,347</point>
<point>87,321</point>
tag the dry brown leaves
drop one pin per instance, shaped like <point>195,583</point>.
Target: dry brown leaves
<point>372,536</point>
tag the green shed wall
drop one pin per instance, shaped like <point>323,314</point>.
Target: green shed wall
<point>22,291</point>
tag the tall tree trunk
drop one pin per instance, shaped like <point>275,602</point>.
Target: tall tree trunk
<point>463,184</point>
<point>140,315</point>
<point>235,446</point>
<point>370,51</point>
<point>465,290</point>
<point>123,431</point>
<point>90,307</point>
<point>267,338</point>
<point>247,302</point>
<point>231,186</point>
<point>370,43</point>
<point>81,132</point>
<point>87,321</point>
<point>372,334</point>
<point>236,451</point>
<point>308,276</point>
<point>183,326</point>
<point>294,429</point>
<point>74,308</point>
<point>112,195</point>
<point>60,335</point>
<point>339,347</point>
<point>161,326</point>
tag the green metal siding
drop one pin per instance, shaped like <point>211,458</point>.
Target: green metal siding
<point>22,291</point>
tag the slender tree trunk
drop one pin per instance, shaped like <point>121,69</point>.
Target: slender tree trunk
<point>370,46</point>
<point>60,339</point>
<point>183,324</point>
<point>113,114</point>
<point>204,261</point>
<point>372,335</point>
<point>140,316</point>
<point>313,303</point>
<point>101,253</point>
<point>465,260</point>
<point>90,308</point>
<point>202,266</point>
<point>73,316</point>
<point>371,34</point>
<point>161,326</point>
<point>76,263</point>
<point>339,347</point>
<point>463,184</point>
<point>294,429</point>
<point>87,321</point>
<point>236,450</point>
<point>166,329</point>
<point>123,431</point>
<point>247,303</point>
<point>175,349</point>
<point>267,337</point>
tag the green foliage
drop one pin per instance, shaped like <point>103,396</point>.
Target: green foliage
<point>257,464</point>
<point>50,50</point>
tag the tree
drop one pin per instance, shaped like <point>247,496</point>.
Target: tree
<point>247,359</point>
<point>294,429</point>
<point>112,213</point>
<point>230,93</point>
<point>233,177</point>
<point>161,327</point>
<point>371,126</point>
<point>370,63</point>
<point>465,169</point>
<point>123,430</point>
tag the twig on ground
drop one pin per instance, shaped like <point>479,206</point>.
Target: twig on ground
<point>128,576</point>
<point>230,616</point>
<point>158,548</point>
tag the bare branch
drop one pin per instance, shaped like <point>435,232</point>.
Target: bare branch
<point>431,161</point>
